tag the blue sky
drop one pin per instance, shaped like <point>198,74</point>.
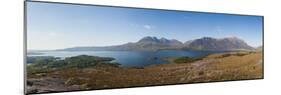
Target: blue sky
<point>55,26</point>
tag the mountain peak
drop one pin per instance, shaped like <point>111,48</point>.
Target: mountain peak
<point>232,37</point>
<point>154,43</point>
<point>207,38</point>
<point>149,39</point>
<point>159,41</point>
<point>227,43</point>
<point>163,39</point>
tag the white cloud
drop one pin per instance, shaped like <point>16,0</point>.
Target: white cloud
<point>147,27</point>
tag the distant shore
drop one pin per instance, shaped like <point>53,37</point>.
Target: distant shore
<point>215,67</point>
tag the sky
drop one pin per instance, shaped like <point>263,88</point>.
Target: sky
<point>57,26</point>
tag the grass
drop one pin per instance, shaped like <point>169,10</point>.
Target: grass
<point>241,53</point>
<point>185,59</point>
<point>217,67</point>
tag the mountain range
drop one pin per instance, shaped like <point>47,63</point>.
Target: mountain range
<point>153,43</point>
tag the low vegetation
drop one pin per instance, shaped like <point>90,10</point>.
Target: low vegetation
<point>92,72</point>
<point>185,59</point>
<point>241,53</point>
<point>42,64</point>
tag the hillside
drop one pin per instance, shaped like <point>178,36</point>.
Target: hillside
<point>208,43</point>
<point>217,67</point>
<point>153,43</point>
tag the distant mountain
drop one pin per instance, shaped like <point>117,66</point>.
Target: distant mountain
<point>153,43</point>
<point>208,43</point>
<point>145,44</point>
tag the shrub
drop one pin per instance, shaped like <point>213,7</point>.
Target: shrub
<point>42,64</point>
<point>185,59</point>
<point>201,73</point>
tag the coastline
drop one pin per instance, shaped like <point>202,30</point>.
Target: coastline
<point>214,67</point>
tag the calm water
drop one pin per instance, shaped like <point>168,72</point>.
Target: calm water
<point>132,58</point>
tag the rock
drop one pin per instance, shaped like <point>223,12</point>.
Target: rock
<point>182,79</point>
<point>85,86</point>
<point>41,74</point>
<point>105,86</point>
<point>29,83</point>
<point>32,90</point>
<point>201,73</point>
<point>74,87</point>
<point>69,81</point>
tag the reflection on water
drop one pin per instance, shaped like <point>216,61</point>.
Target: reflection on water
<point>132,58</point>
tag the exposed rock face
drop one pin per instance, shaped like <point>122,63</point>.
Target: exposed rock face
<point>145,44</point>
<point>48,84</point>
<point>153,43</point>
<point>161,41</point>
<point>208,43</point>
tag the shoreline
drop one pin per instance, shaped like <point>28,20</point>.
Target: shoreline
<point>214,67</point>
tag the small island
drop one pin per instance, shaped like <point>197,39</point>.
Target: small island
<point>85,72</point>
<point>76,48</point>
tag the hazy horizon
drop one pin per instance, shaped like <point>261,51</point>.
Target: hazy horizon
<point>134,42</point>
<point>55,26</point>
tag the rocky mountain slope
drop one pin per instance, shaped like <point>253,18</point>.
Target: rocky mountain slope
<point>153,43</point>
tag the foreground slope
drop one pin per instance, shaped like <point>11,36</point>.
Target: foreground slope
<point>217,67</point>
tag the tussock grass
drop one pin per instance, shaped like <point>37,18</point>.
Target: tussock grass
<point>217,67</point>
